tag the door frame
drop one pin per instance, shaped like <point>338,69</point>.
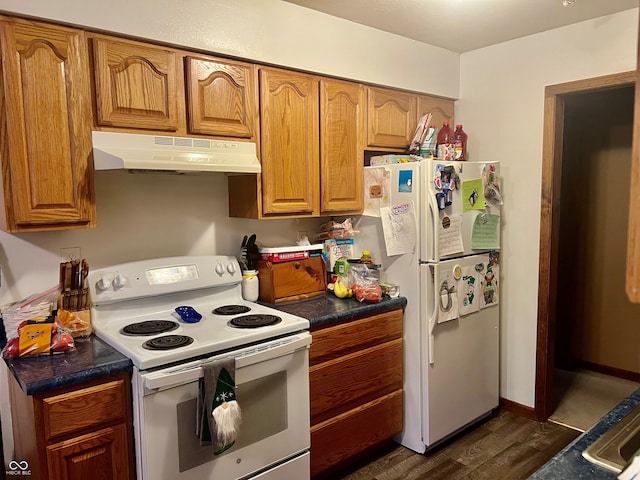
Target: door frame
<point>553,131</point>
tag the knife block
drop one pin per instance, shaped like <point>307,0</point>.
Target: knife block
<point>294,280</point>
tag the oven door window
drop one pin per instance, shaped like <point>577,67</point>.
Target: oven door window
<point>273,397</point>
<point>266,394</point>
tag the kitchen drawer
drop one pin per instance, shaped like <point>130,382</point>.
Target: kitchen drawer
<point>81,409</point>
<point>341,384</point>
<point>342,437</point>
<point>281,282</point>
<point>337,340</point>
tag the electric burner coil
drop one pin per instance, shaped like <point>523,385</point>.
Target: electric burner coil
<point>254,321</point>
<point>231,310</point>
<point>149,327</point>
<point>167,342</point>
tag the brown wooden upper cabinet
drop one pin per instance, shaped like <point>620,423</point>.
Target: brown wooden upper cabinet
<point>441,110</point>
<point>221,97</point>
<point>391,118</point>
<point>47,169</point>
<point>312,143</point>
<point>342,114</point>
<point>136,85</point>
<point>289,143</point>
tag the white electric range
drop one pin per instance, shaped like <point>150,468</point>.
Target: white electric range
<point>172,315</point>
<point>134,309</point>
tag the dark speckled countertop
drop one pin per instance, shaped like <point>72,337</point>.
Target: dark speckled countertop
<point>94,359</point>
<point>91,359</point>
<point>570,464</point>
<point>329,309</point>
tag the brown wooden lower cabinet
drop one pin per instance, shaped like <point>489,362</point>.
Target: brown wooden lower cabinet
<point>103,451</point>
<point>75,433</point>
<point>356,381</point>
<point>346,435</point>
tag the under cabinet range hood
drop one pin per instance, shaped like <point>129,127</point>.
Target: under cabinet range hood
<point>136,152</point>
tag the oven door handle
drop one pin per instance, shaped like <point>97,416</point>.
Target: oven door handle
<point>192,371</point>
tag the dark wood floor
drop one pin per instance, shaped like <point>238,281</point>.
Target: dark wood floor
<point>504,446</point>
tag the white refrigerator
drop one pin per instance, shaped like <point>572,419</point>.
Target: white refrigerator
<point>435,229</point>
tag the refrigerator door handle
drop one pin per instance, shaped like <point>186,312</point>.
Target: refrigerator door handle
<point>435,216</point>
<point>433,319</point>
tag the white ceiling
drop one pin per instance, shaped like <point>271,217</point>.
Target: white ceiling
<point>464,25</point>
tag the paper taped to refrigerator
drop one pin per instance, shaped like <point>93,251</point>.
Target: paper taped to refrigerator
<point>450,235</point>
<point>376,190</point>
<point>447,297</point>
<point>472,195</point>
<point>469,295</point>
<point>399,228</point>
<point>490,288</point>
<point>485,234</point>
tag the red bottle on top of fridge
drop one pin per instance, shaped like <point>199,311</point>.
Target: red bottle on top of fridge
<point>460,143</point>
<point>445,149</point>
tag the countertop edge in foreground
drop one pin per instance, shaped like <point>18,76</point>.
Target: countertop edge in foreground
<point>570,463</point>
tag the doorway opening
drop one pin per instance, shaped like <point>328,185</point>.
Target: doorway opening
<point>574,333</point>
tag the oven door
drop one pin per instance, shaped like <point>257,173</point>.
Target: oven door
<point>273,394</point>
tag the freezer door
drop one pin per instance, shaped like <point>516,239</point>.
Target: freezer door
<point>388,185</point>
<point>462,220</point>
<point>462,342</point>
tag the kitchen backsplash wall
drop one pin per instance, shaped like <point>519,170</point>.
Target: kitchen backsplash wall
<point>140,216</point>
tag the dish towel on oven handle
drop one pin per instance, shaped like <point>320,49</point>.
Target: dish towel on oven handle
<point>218,410</point>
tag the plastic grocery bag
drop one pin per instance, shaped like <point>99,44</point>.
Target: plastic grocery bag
<point>38,336</point>
<point>365,283</point>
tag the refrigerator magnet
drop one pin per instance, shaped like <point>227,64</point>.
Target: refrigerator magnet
<point>457,272</point>
<point>375,191</point>
<point>405,181</point>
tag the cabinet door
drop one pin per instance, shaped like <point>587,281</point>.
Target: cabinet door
<point>289,142</point>
<point>633,249</point>
<point>391,118</point>
<point>441,110</point>
<point>342,129</point>
<point>221,97</point>
<point>135,85</point>
<point>46,127</point>
<point>100,454</point>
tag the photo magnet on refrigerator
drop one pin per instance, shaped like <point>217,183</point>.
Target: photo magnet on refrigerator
<point>405,181</point>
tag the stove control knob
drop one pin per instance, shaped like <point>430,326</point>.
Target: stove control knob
<point>231,268</point>
<point>103,284</point>
<point>219,269</point>
<point>119,281</point>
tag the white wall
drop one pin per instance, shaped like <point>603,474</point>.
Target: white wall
<point>501,106</point>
